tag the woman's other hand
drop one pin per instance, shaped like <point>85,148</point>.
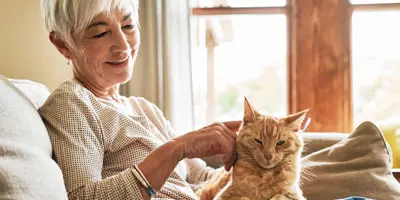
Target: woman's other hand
<point>217,138</point>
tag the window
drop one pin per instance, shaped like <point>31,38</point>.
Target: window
<point>336,57</point>
<point>238,3</point>
<point>235,56</point>
<point>373,1</point>
<point>376,66</point>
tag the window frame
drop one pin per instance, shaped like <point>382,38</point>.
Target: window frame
<point>319,56</point>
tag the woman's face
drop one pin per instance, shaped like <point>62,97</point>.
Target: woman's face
<point>106,51</point>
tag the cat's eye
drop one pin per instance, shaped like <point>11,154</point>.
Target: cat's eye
<point>258,141</point>
<point>280,142</point>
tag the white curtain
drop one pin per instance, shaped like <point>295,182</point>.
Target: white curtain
<point>162,72</point>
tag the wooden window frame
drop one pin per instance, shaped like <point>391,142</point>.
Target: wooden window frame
<point>319,56</point>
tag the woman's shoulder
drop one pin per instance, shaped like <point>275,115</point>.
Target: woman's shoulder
<point>71,88</point>
<point>69,93</point>
<point>143,106</point>
<point>139,101</point>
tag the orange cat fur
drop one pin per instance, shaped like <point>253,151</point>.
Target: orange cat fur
<point>210,189</point>
<point>268,165</point>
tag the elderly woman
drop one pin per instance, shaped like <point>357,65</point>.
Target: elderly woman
<point>109,146</point>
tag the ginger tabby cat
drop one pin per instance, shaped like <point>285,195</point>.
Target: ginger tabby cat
<point>268,163</point>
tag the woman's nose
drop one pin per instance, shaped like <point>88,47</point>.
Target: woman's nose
<point>120,42</point>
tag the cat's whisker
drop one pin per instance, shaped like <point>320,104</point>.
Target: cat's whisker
<point>306,175</point>
<point>246,154</point>
<point>305,150</point>
<point>248,158</point>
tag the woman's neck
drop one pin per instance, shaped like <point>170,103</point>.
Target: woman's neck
<point>111,93</point>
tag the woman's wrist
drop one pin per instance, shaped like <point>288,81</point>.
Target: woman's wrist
<point>159,164</point>
<point>178,148</point>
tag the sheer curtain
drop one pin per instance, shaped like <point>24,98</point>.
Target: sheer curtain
<point>162,72</point>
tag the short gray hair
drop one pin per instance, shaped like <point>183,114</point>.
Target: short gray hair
<point>65,17</point>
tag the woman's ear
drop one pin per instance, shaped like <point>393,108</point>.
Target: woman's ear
<point>60,44</point>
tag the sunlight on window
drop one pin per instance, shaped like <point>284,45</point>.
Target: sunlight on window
<point>257,3</point>
<point>373,1</point>
<point>239,3</point>
<point>376,67</point>
<point>249,60</point>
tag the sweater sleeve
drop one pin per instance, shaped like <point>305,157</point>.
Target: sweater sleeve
<point>76,135</point>
<point>197,169</point>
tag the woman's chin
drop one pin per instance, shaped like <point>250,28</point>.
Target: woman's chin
<point>119,78</point>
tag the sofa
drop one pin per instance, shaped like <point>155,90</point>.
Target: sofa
<point>335,165</point>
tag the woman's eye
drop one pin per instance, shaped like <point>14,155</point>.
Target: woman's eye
<point>280,142</point>
<point>130,26</point>
<point>100,35</point>
<point>258,141</point>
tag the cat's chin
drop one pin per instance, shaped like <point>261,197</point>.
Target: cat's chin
<point>269,167</point>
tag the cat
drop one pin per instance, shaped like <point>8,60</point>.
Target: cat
<point>268,163</point>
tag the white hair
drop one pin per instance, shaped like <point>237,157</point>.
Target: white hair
<point>66,17</point>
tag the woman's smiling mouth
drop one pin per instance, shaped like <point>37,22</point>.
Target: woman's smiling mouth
<point>119,63</point>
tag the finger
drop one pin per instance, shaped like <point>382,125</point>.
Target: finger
<point>229,165</point>
<point>211,125</point>
<point>227,159</point>
<point>229,135</point>
<point>228,131</point>
<point>233,125</point>
<point>208,129</point>
<point>226,147</point>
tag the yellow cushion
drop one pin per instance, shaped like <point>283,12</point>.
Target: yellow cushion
<point>391,132</point>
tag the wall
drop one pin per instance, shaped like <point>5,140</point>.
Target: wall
<point>25,50</point>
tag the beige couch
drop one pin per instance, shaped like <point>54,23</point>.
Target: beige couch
<point>335,165</point>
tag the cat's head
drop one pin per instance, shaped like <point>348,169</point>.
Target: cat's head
<point>266,140</point>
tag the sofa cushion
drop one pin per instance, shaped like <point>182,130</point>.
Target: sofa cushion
<point>359,165</point>
<point>35,92</point>
<point>27,170</point>
<point>315,141</point>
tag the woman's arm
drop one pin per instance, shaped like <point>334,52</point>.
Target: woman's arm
<point>78,146</point>
<point>77,137</point>
<point>198,171</point>
<point>208,141</point>
<point>197,168</point>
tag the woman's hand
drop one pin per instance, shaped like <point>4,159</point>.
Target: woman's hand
<point>217,138</point>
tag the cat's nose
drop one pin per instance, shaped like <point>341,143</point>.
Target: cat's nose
<point>268,156</point>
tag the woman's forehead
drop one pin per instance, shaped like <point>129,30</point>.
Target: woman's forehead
<point>115,14</point>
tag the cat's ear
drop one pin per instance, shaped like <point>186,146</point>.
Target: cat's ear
<point>294,121</point>
<point>250,115</point>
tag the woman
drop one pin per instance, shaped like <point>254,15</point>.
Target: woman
<point>109,146</point>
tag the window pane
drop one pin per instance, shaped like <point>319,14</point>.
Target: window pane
<point>250,61</point>
<point>376,66</point>
<point>373,1</point>
<point>238,3</point>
